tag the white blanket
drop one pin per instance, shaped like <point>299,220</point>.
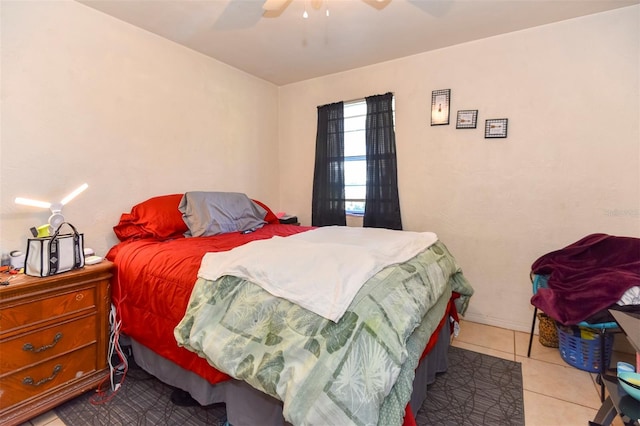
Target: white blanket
<point>320,270</point>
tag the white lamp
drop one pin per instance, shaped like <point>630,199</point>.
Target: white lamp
<point>56,218</point>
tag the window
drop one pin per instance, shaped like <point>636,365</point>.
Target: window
<point>355,155</point>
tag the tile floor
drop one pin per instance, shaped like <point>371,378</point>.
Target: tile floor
<point>554,392</point>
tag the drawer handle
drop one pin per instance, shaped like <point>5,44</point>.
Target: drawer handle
<point>29,347</point>
<point>29,381</point>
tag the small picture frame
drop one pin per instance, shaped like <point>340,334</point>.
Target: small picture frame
<point>496,128</point>
<point>440,100</point>
<point>467,119</point>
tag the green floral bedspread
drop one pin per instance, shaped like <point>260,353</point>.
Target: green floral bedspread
<point>356,371</point>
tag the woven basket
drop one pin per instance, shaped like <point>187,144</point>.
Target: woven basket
<point>548,331</point>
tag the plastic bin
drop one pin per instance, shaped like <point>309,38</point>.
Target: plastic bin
<point>580,347</point>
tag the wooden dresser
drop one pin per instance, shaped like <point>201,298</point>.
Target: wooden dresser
<point>54,337</point>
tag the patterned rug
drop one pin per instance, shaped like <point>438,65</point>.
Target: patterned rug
<point>477,389</point>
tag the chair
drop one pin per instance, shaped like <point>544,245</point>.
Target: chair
<point>540,281</point>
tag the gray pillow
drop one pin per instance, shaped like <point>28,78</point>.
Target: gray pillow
<point>213,213</point>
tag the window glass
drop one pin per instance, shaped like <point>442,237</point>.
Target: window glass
<point>354,143</point>
<point>355,167</point>
<point>355,154</point>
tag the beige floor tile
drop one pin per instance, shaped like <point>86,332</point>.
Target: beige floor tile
<point>543,410</point>
<point>483,350</point>
<point>50,418</point>
<point>562,382</point>
<point>487,336</point>
<point>538,351</point>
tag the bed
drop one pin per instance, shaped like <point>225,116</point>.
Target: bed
<point>369,364</point>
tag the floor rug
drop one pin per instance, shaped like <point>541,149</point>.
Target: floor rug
<point>477,389</point>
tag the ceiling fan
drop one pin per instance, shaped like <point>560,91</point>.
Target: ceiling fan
<point>273,8</point>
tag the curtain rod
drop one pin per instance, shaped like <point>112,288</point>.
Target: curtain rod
<point>355,100</point>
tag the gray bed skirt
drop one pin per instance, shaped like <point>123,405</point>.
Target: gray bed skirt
<point>247,406</point>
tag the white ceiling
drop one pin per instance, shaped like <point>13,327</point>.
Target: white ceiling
<point>288,48</point>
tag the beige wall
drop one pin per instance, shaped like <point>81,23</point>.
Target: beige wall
<point>86,97</point>
<point>89,98</point>
<point>570,166</point>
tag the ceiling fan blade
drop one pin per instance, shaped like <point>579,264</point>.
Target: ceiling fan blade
<point>278,5</point>
<point>433,8</point>
<point>377,4</point>
<point>273,5</point>
<point>239,14</point>
<point>316,4</point>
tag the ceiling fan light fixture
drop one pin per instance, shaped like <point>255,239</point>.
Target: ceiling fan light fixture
<point>274,8</point>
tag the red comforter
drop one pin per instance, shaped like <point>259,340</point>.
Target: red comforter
<point>153,283</point>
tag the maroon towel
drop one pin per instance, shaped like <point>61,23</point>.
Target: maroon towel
<point>587,276</point>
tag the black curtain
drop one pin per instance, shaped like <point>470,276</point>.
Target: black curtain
<point>382,209</point>
<point>328,204</point>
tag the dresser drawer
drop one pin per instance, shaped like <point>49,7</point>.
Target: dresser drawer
<point>35,380</point>
<point>47,307</point>
<point>37,346</point>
